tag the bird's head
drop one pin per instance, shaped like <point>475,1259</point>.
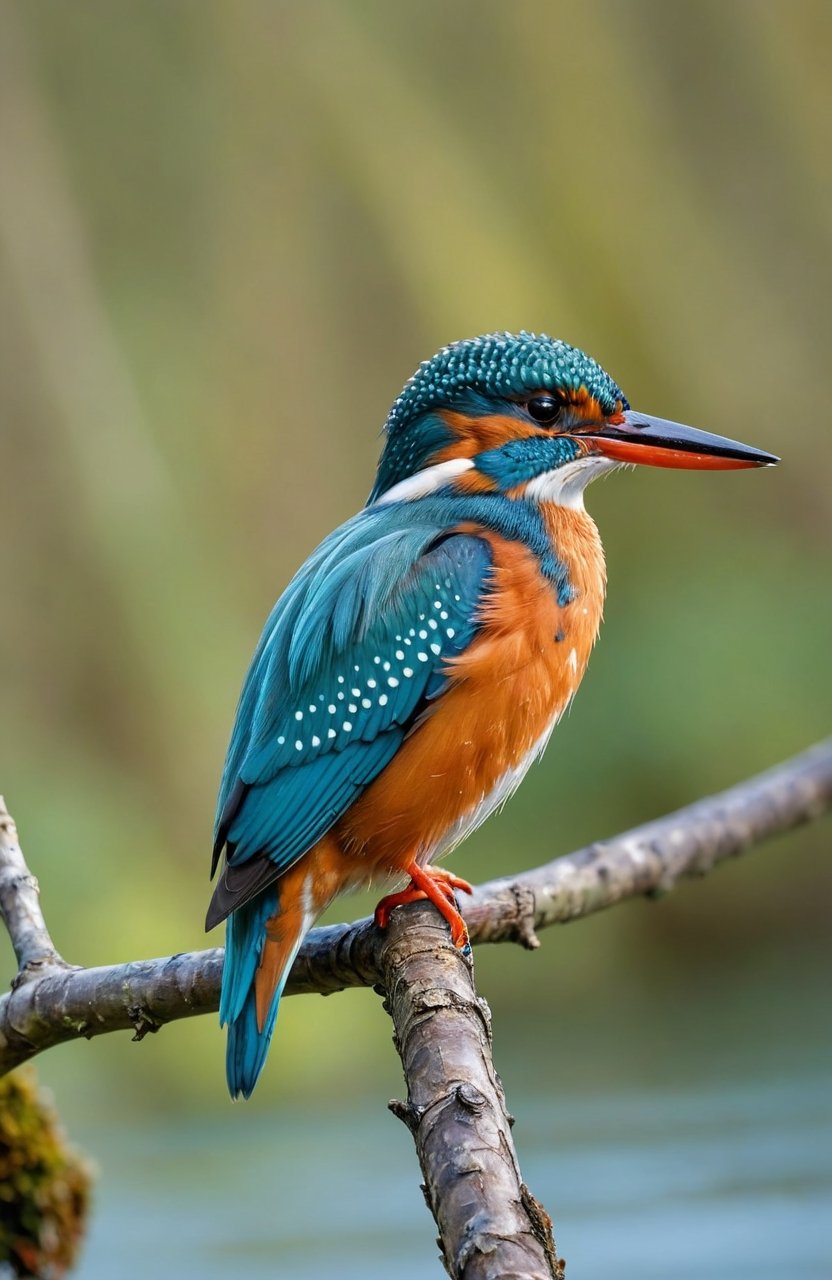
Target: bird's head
<point>528,416</point>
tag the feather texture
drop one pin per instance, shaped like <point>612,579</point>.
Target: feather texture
<point>303,749</point>
<point>354,697</point>
<point>349,659</point>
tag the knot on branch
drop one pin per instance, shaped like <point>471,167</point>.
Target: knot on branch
<point>432,1000</point>
<point>526,909</point>
<point>467,1095</point>
<point>143,1021</point>
<point>22,880</point>
<point>36,966</point>
<point>471,1098</point>
<point>409,1114</point>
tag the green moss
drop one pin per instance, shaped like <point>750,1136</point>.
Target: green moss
<point>44,1183</point>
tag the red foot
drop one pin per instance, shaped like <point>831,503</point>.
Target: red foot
<point>438,887</point>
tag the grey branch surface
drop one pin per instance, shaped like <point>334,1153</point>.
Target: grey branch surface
<point>51,1002</point>
<point>490,1225</point>
<point>20,905</point>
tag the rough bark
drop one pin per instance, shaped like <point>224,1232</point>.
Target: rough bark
<point>20,904</point>
<point>51,1002</point>
<point>490,1226</point>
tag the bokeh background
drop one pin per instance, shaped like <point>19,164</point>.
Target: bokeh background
<point>228,233</point>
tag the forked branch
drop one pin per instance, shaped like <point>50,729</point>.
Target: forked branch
<point>489,1224</point>
<point>51,1002</point>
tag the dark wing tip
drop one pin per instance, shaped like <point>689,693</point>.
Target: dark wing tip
<point>238,885</point>
<point>213,916</point>
<point>231,808</point>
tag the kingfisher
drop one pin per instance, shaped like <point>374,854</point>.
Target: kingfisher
<point>416,665</point>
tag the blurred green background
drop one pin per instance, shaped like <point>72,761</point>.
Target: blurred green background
<point>228,233</point>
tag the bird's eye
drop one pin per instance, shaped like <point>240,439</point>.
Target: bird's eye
<point>544,409</point>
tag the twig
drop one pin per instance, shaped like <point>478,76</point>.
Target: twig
<point>57,1004</point>
<point>20,906</point>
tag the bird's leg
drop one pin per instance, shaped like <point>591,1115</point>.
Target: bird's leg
<point>437,885</point>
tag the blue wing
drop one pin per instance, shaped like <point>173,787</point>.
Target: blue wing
<point>352,653</point>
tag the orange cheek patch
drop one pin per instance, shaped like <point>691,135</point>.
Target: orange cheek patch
<point>478,435</point>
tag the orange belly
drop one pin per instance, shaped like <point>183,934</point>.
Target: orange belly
<point>506,693</point>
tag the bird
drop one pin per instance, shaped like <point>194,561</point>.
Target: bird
<point>417,663</point>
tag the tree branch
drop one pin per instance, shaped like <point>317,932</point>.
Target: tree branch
<point>20,905</point>
<point>51,1003</point>
<point>490,1225</point>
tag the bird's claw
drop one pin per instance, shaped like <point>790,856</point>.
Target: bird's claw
<point>437,886</point>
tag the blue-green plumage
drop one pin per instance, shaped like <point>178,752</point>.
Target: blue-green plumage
<point>247,1046</point>
<point>354,657</point>
<point>354,650</point>
<point>500,368</point>
<point>357,646</point>
<point>299,716</point>
<point>519,461</point>
<point>365,584</point>
<point>319,720</point>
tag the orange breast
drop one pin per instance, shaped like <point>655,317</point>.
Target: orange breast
<point>507,690</point>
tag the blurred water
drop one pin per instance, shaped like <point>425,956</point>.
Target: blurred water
<point>723,1180</point>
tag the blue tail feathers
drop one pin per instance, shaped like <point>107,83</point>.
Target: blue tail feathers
<point>247,1044</point>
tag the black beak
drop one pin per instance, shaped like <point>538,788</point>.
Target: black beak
<point>656,442</point>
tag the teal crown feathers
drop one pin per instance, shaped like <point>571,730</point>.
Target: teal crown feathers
<point>494,367</point>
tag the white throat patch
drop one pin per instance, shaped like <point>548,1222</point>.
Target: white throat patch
<point>565,485</point>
